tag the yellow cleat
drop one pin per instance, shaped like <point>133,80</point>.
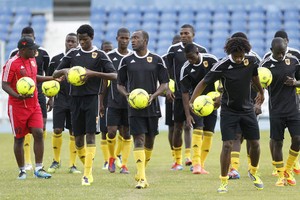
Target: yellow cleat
<point>256,180</point>
<point>223,187</point>
<point>296,168</point>
<point>141,184</point>
<point>290,179</point>
<point>85,181</point>
<point>281,182</point>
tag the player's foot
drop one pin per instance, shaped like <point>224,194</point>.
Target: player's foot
<point>296,168</point>
<point>111,165</point>
<point>203,171</point>
<point>105,165</point>
<point>223,188</point>
<point>124,170</point>
<point>281,182</point>
<point>176,167</point>
<point>256,180</point>
<point>290,179</point>
<point>197,169</point>
<point>74,170</point>
<point>188,162</point>
<point>233,174</point>
<point>118,161</point>
<point>274,172</point>
<point>85,181</point>
<point>28,167</point>
<point>91,178</point>
<point>41,173</point>
<point>54,166</point>
<point>22,175</point>
<point>141,184</point>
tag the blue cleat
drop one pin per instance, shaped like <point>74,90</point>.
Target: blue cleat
<point>41,173</point>
<point>22,175</point>
<point>233,174</point>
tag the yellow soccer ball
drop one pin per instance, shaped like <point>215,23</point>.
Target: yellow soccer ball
<point>213,95</point>
<point>265,76</point>
<point>298,90</point>
<point>172,85</point>
<point>203,105</point>
<point>138,98</point>
<point>76,75</point>
<point>25,86</point>
<point>50,88</point>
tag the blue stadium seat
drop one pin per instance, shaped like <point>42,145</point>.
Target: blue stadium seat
<point>203,16</point>
<point>166,35</point>
<point>291,25</point>
<point>239,15</point>
<point>221,17</point>
<point>168,17</point>
<point>134,16</point>
<point>256,25</point>
<point>274,25</point>
<point>256,16</point>
<point>151,16</point>
<point>203,25</point>
<point>112,26</point>
<point>38,19</point>
<point>132,25</point>
<point>171,26</point>
<point>163,45</point>
<point>203,41</point>
<point>220,25</point>
<point>256,34</point>
<point>97,10</point>
<point>238,26</point>
<point>218,52</point>
<point>291,13</point>
<point>98,18</point>
<point>150,26</point>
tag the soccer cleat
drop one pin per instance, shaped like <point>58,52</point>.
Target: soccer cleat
<point>256,180</point>
<point>85,181</point>
<point>188,162</point>
<point>118,161</point>
<point>111,165</point>
<point>281,182</point>
<point>176,167</point>
<point>203,171</point>
<point>274,172</point>
<point>22,175</point>
<point>141,184</point>
<point>54,166</point>
<point>41,173</point>
<point>105,165</point>
<point>197,169</point>
<point>223,188</point>
<point>74,170</point>
<point>290,179</point>
<point>296,168</point>
<point>28,167</point>
<point>124,170</point>
<point>233,174</point>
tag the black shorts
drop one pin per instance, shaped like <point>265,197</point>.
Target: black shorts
<point>169,113</point>
<point>247,121</point>
<point>61,117</point>
<point>198,121</point>
<point>143,125</point>
<point>210,122</point>
<point>278,125</point>
<point>179,114</point>
<point>117,117</point>
<point>42,102</point>
<point>84,112</point>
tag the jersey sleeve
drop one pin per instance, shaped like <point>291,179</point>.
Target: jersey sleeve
<point>122,73</point>
<point>163,76</point>
<point>8,72</point>
<point>66,61</point>
<point>52,67</point>
<point>256,65</point>
<point>106,63</point>
<point>46,60</point>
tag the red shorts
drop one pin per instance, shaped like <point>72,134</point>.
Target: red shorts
<point>22,119</point>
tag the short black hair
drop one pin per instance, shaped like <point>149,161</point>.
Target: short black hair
<point>85,28</point>
<point>176,39</point>
<point>72,34</point>
<point>281,34</point>
<point>237,44</point>
<point>188,26</point>
<point>105,42</point>
<point>190,48</point>
<point>27,30</point>
<point>145,35</point>
<point>239,34</point>
<point>123,30</point>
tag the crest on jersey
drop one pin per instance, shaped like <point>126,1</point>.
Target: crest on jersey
<point>205,63</point>
<point>36,54</point>
<point>149,59</point>
<point>288,54</point>
<point>32,63</point>
<point>287,61</point>
<point>246,62</point>
<point>94,55</point>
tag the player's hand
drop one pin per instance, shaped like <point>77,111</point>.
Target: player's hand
<point>23,96</point>
<point>170,95</point>
<point>87,75</point>
<point>257,109</point>
<point>49,104</point>
<point>217,102</point>
<point>60,79</point>
<point>259,99</point>
<point>290,81</point>
<point>150,99</point>
<point>101,110</point>
<point>189,121</point>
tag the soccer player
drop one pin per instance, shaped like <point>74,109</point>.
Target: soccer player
<point>283,108</point>
<point>24,111</point>
<point>117,108</point>
<point>236,72</point>
<point>106,46</point>
<point>84,101</point>
<point>61,111</point>
<point>176,59</point>
<point>282,34</point>
<point>192,72</point>
<point>143,69</point>
<point>42,61</point>
<point>236,148</point>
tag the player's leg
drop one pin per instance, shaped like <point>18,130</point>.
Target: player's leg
<point>187,141</point>
<point>27,151</point>
<point>235,155</point>
<point>111,142</point>
<point>19,155</point>
<point>103,142</point>
<point>127,141</point>
<point>170,123</point>
<point>43,105</point>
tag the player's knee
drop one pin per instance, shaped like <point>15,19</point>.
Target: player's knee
<point>295,143</point>
<point>139,141</point>
<point>227,146</point>
<point>111,135</point>
<point>57,131</point>
<point>37,134</point>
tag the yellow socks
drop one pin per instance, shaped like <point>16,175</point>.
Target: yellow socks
<point>44,134</point>
<point>90,154</point>
<point>56,145</point>
<point>119,147</point>
<point>187,153</point>
<point>126,151</point>
<point>253,170</point>
<point>178,156</point>
<point>73,151</point>
<point>249,161</point>
<point>148,153</point>
<point>111,146</point>
<point>235,160</point>
<point>27,153</point>
<point>279,167</point>
<point>224,179</point>
<point>81,153</point>
<point>206,145</point>
<point>292,157</point>
<point>139,157</point>
<point>104,149</point>
<point>196,145</point>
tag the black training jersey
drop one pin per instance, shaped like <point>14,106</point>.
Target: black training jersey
<point>236,81</point>
<point>283,100</point>
<point>95,60</point>
<point>115,99</point>
<point>64,85</point>
<point>143,72</point>
<point>289,50</point>
<point>176,59</point>
<point>192,74</point>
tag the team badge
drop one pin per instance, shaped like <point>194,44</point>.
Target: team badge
<point>149,59</point>
<point>246,62</point>
<point>205,63</point>
<point>289,54</point>
<point>32,63</point>
<point>94,55</point>
<point>287,61</point>
<point>36,54</point>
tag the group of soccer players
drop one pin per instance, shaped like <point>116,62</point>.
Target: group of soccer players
<point>194,72</point>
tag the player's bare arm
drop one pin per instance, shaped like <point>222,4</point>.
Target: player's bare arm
<point>107,76</point>
<point>7,88</point>
<point>259,99</point>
